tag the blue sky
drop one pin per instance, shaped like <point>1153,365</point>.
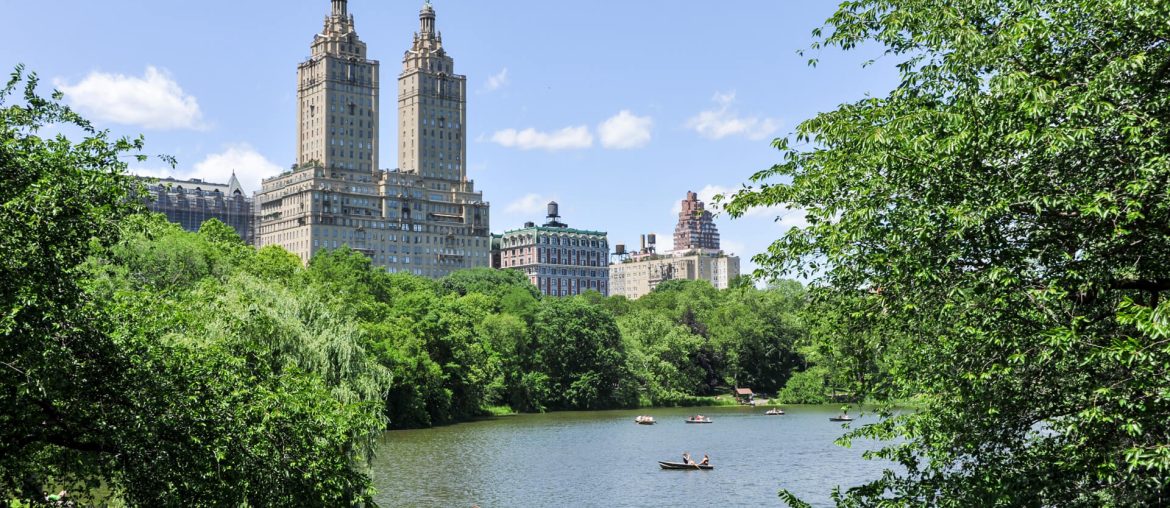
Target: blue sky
<point>615,109</point>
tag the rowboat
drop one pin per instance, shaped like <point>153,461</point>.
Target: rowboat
<point>645,420</point>
<point>841,418</point>
<point>774,412</point>
<point>680,465</point>
<point>695,419</point>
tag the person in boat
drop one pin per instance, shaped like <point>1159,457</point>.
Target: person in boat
<point>687,458</point>
<point>706,460</point>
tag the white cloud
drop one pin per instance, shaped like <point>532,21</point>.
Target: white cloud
<point>723,121</point>
<point>249,166</point>
<point>497,81</point>
<point>624,131</point>
<point>529,205</point>
<point>569,138</point>
<point>154,101</point>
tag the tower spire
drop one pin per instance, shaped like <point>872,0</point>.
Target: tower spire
<point>426,19</point>
<point>339,8</point>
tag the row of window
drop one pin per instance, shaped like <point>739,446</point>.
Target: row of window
<point>570,242</point>
<point>345,233</point>
<point>568,287</point>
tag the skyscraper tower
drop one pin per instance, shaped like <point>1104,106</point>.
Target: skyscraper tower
<point>424,218</point>
<point>337,96</point>
<point>432,107</point>
<point>696,227</point>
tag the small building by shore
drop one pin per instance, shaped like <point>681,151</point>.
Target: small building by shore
<point>744,395</point>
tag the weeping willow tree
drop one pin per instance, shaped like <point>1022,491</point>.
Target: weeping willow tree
<point>282,399</point>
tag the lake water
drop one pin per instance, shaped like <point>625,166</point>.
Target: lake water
<point>603,458</point>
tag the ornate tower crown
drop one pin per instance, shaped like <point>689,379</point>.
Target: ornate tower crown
<point>432,107</point>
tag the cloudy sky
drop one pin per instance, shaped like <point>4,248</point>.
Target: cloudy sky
<point>613,108</point>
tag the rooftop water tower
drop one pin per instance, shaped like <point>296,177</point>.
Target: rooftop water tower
<point>554,216</point>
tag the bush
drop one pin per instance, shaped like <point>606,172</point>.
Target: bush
<point>807,387</point>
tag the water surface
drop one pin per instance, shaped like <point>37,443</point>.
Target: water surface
<point>604,459</point>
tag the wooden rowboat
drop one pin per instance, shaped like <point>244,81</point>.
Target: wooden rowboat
<point>680,465</point>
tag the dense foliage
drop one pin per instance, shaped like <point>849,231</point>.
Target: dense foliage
<point>1000,219</point>
<point>484,338</point>
<point>153,365</point>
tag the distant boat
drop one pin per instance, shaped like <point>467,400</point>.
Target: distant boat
<point>841,418</point>
<point>774,412</point>
<point>699,419</point>
<point>645,420</point>
<point>680,465</point>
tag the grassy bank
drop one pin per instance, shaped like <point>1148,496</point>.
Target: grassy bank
<point>504,410</point>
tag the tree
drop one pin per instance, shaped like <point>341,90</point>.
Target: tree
<point>661,355</point>
<point>127,364</point>
<point>56,198</point>
<point>1006,207</point>
<point>757,333</point>
<point>488,281</point>
<point>579,350</point>
<point>847,352</point>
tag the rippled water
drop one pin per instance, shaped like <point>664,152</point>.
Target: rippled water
<point>605,459</point>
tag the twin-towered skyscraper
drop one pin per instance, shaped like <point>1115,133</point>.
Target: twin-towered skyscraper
<point>424,217</point>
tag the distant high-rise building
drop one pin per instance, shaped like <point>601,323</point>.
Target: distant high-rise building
<point>559,260</point>
<point>337,98</point>
<point>696,256</point>
<point>189,203</point>
<point>696,227</point>
<point>425,217</point>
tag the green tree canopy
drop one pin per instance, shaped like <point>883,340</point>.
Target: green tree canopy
<point>1005,207</point>
<point>140,360</point>
<point>579,349</point>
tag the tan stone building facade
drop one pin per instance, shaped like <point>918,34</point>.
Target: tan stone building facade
<point>637,276</point>
<point>424,218</point>
<point>337,96</point>
<point>432,107</point>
